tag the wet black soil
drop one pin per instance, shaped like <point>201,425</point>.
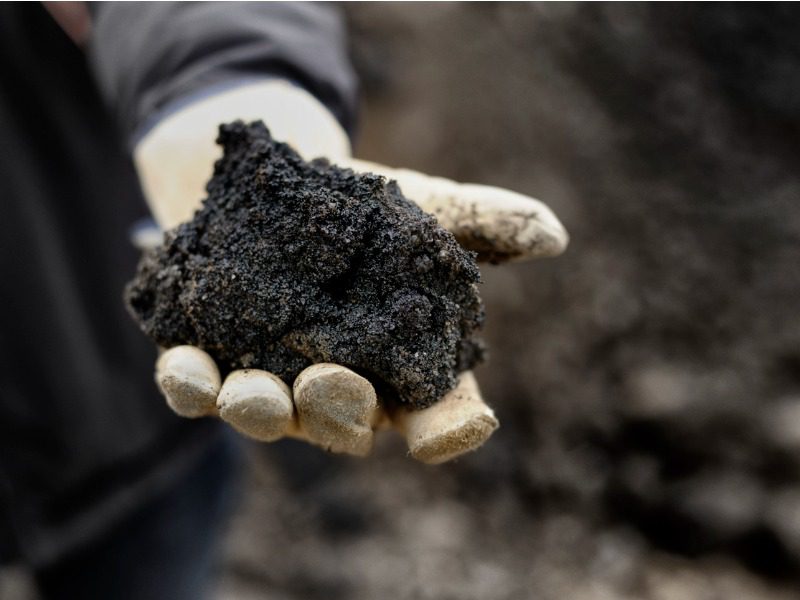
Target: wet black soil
<point>290,263</point>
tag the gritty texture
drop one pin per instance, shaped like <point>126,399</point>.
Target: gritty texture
<point>290,263</point>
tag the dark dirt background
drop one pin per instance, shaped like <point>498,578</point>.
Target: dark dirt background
<point>647,382</point>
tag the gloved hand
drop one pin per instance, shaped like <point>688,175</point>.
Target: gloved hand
<point>329,405</point>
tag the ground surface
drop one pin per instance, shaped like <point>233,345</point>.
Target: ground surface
<point>648,381</point>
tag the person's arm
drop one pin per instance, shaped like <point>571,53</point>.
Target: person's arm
<point>149,58</point>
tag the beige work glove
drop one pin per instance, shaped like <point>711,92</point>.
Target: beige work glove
<point>328,405</point>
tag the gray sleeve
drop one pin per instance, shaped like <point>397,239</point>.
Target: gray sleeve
<point>148,56</point>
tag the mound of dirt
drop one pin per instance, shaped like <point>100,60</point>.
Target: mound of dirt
<point>290,263</point>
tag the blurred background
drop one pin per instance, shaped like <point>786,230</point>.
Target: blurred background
<point>647,382</point>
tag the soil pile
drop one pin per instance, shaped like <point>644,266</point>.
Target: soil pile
<point>290,263</point>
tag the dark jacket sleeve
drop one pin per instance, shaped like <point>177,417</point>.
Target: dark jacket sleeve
<point>148,56</point>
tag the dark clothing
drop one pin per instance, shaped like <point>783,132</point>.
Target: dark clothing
<point>146,56</point>
<point>84,437</point>
<point>166,549</point>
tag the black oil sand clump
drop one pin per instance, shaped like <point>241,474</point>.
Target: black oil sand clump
<point>290,263</point>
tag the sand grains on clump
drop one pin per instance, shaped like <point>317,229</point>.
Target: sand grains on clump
<point>290,263</point>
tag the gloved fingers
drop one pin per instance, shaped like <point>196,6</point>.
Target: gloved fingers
<point>257,404</point>
<point>456,424</point>
<point>333,407</point>
<point>189,381</point>
<point>337,409</point>
<point>496,223</point>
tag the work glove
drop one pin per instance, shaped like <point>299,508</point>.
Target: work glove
<point>328,405</point>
